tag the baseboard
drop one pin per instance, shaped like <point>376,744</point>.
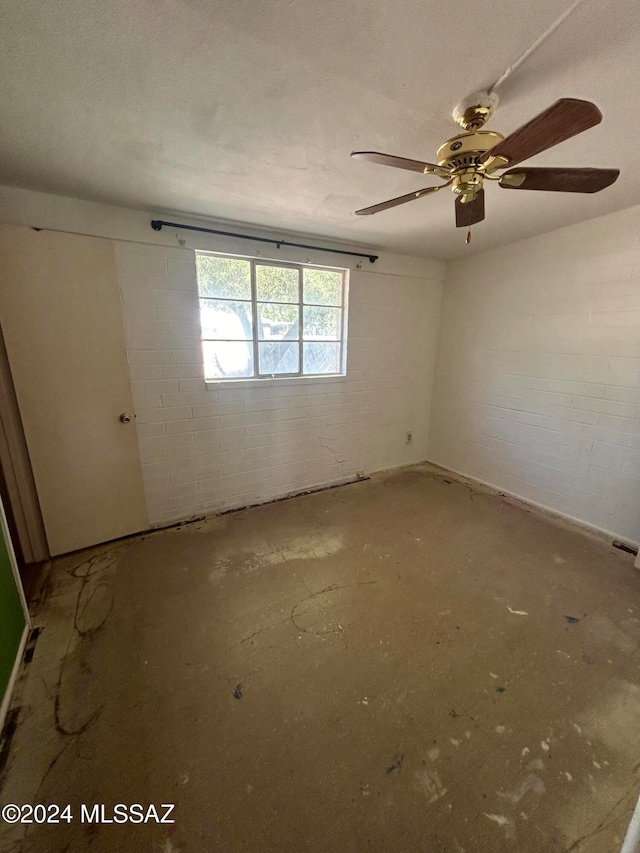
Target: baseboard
<point>214,513</point>
<point>6,700</point>
<point>591,529</point>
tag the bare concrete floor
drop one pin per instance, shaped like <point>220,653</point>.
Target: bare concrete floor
<point>386,666</point>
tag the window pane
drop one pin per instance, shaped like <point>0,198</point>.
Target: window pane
<point>321,324</point>
<point>223,277</point>
<point>321,358</point>
<point>277,321</point>
<point>276,284</point>
<point>279,357</point>
<point>225,319</point>
<point>322,287</point>
<point>227,359</point>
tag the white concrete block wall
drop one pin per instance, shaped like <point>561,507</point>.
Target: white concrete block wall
<point>537,380</point>
<point>537,386</point>
<point>205,449</point>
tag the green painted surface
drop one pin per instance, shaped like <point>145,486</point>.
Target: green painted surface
<point>11,617</point>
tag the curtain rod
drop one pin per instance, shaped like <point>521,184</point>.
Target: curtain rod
<point>157,224</point>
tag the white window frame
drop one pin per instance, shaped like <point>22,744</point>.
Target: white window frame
<point>267,377</point>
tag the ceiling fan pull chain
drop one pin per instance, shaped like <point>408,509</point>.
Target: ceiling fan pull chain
<point>468,240</point>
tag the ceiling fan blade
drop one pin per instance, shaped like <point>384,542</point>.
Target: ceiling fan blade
<point>385,205</point>
<point>559,180</point>
<point>562,120</point>
<point>400,162</point>
<point>470,212</point>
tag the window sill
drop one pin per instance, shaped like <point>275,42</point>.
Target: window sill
<point>213,384</point>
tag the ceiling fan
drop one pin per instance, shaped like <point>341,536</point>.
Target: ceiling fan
<point>467,160</point>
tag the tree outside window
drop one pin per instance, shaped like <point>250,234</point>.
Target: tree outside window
<point>264,320</point>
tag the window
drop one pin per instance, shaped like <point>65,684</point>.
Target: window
<point>262,319</point>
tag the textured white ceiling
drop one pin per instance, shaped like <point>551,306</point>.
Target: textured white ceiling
<point>248,111</point>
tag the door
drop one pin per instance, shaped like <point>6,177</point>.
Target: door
<point>13,622</point>
<point>62,324</point>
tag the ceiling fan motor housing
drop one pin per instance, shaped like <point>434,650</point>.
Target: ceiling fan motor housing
<point>462,155</point>
<point>464,151</point>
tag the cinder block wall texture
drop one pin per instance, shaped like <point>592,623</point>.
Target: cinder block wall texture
<point>538,371</point>
<point>537,387</point>
<point>209,448</point>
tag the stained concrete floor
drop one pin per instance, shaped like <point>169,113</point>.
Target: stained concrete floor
<point>385,666</point>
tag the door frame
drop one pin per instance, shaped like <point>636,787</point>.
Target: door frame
<point>6,699</point>
<point>19,493</point>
